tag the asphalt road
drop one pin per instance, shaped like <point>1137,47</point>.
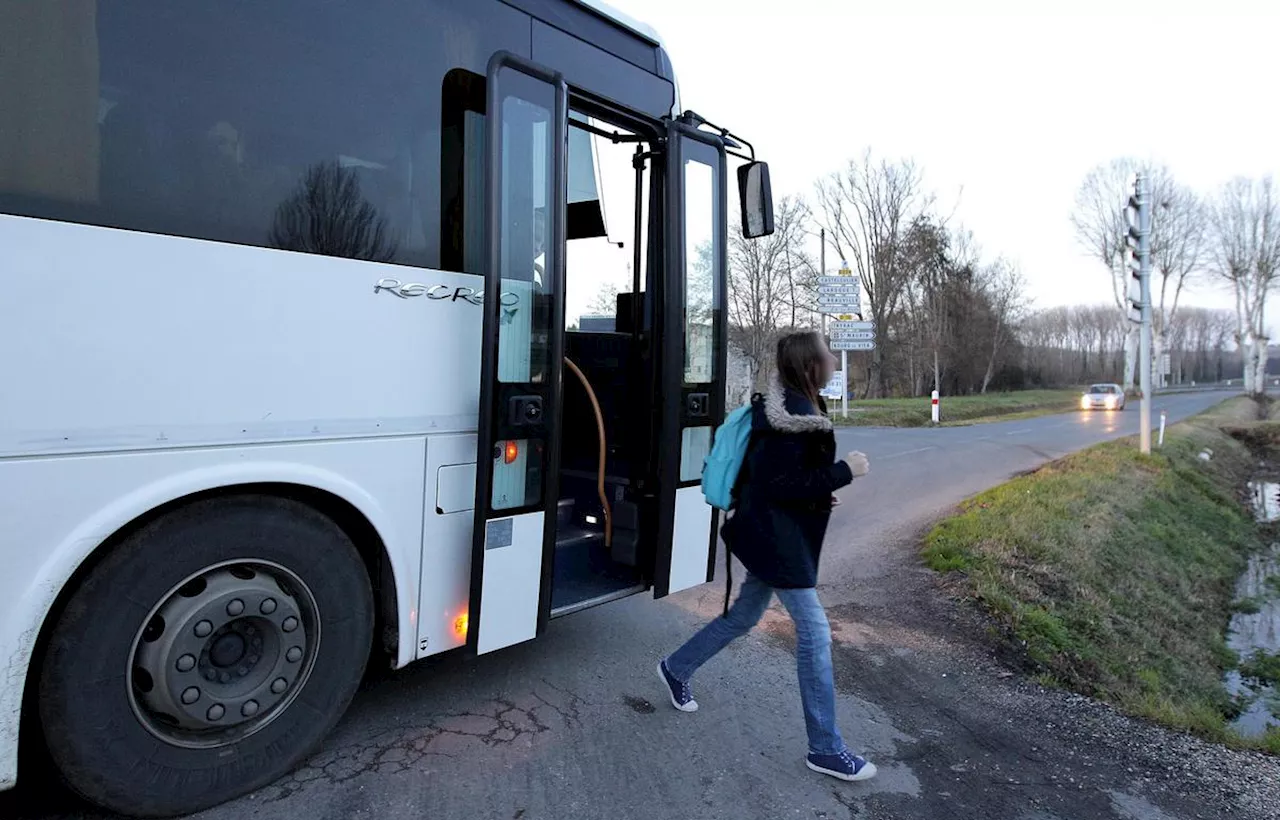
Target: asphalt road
<point>574,725</point>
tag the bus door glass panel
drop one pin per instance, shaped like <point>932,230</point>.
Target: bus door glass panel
<point>693,367</point>
<point>701,305</point>
<point>518,435</point>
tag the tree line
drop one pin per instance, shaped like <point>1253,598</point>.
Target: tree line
<point>951,317</point>
<point>1068,346</point>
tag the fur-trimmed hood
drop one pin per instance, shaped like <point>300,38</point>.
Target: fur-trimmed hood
<point>787,482</point>
<point>792,420</point>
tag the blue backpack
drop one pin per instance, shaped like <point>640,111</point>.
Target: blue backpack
<point>720,470</point>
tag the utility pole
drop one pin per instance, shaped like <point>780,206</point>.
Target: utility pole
<point>822,268</point>
<point>844,353</point>
<point>1137,242</point>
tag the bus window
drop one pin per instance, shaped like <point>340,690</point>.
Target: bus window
<point>701,301</point>
<point>700,295</point>
<point>222,122</point>
<point>602,227</point>
<point>462,172</point>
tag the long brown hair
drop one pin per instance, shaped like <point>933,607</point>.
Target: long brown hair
<point>800,363</point>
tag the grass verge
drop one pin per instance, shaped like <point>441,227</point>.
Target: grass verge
<point>957,410</point>
<point>1113,574</point>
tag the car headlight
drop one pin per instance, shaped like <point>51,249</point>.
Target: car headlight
<point>1111,403</point>
<point>1084,402</point>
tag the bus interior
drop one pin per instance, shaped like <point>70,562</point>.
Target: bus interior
<point>607,384</point>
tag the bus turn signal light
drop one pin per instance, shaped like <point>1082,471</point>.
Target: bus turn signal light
<point>510,452</point>
<point>460,626</point>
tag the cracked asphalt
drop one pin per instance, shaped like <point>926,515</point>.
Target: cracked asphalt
<point>574,725</point>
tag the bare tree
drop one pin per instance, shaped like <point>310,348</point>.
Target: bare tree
<point>1245,251</point>
<point>867,209</point>
<point>328,215</point>
<point>1178,222</point>
<point>926,256</point>
<point>1098,218</point>
<point>1223,329</point>
<point>767,279</point>
<point>605,300</point>
<point>1005,289</point>
<point>1177,241</point>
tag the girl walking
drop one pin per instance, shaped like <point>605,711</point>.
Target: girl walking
<point>784,501</point>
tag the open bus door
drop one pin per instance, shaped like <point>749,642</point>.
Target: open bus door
<point>520,379</point>
<point>693,353</point>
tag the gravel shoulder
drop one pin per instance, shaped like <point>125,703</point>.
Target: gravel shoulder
<point>988,743</point>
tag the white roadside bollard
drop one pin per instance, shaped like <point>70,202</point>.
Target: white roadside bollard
<point>935,407</point>
<point>1162,420</point>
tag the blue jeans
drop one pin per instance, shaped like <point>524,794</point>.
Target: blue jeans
<point>813,653</point>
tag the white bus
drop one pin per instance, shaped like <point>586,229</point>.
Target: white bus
<point>291,372</point>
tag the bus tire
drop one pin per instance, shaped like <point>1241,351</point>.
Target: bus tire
<point>205,656</point>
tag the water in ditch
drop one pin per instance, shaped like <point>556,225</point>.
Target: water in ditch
<point>1256,624</point>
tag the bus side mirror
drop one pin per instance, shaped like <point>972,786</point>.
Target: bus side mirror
<point>756,196</point>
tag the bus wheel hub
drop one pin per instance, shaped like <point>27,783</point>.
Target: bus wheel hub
<point>223,653</point>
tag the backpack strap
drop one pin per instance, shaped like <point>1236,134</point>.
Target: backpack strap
<point>728,580</point>
<point>728,557</point>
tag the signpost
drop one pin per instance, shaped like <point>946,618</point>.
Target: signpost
<point>840,297</point>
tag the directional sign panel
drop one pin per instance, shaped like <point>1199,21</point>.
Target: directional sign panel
<point>841,300</point>
<point>852,345</point>
<point>838,280</point>
<point>846,325</point>
<point>852,335</point>
<point>834,388</point>
<point>852,290</point>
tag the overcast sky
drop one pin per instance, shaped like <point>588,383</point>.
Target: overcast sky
<point>1004,111</point>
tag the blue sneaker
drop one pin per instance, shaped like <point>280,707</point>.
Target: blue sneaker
<point>844,766</point>
<point>681,694</point>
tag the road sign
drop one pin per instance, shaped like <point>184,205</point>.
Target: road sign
<point>847,325</point>
<point>841,301</point>
<point>834,388</point>
<point>839,280</point>
<point>852,290</point>
<point>852,335</point>
<point>853,345</point>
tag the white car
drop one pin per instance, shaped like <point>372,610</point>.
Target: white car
<point>1103,397</point>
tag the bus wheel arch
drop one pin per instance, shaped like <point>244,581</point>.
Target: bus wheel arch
<point>341,514</point>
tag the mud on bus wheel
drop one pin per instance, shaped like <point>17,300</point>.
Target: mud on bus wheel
<point>206,656</point>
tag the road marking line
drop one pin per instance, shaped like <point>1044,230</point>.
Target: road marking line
<point>906,453</point>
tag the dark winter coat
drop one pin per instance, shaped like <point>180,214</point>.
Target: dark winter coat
<point>784,491</point>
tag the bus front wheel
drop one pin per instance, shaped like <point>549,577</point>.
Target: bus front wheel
<point>205,656</point>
